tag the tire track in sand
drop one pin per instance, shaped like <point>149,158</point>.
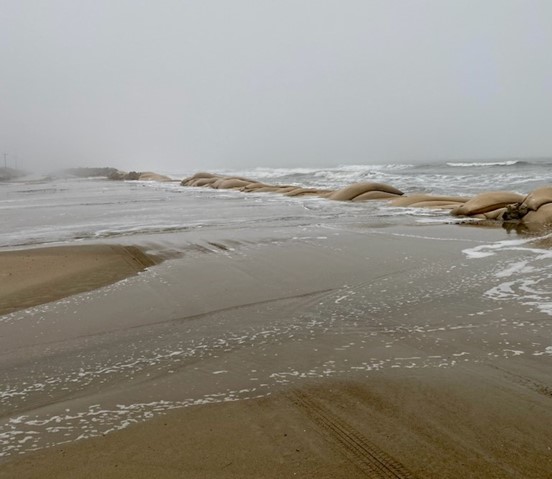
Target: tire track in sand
<point>365,455</point>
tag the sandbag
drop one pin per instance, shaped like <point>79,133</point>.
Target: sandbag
<point>418,198</point>
<point>326,194</point>
<point>203,182</point>
<point>151,176</point>
<point>436,204</point>
<point>196,176</point>
<point>204,174</point>
<point>218,182</point>
<point>232,183</point>
<point>537,198</point>
<point>374,195</point>
<point>485,202</point>
<point>301,192</point>
<point>314,192</point>
<point>266,189</point>
<point>132,176</point>
<point>254,186</point>
<point>541,217</point>
<point>496,214</point>
<point>352,191</point>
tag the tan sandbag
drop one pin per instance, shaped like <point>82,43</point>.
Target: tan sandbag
<point>352,191</point>
<point>254,186</point>
<point>541,217</point>
<point>132,176</point>
<point>496,214</point>
<point>232,183</point>
<point>203,182</point>
<point>374,195</point>
<point>445,205</point>
<point>273,189</point>
<point>301,192</point>
<point>295,188</point>
<point>327,194</point>
<point>218,182</point>
<point>418,198</point>
<point>537,198</point>
<point>151,176</point>
<point>485,202</point>
<point>204,174</point>
<point>265,189</point>
<point>197,176</point>
<point>314,192</point>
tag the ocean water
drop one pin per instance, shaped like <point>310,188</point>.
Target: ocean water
<point>60,210</point>
<point>143,346</point>
<point>167,218</point>
<point>449,178</point>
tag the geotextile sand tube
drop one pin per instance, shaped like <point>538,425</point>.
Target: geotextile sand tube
<point>486,202</point>
<point>534,209</point>
<point>356,189</point>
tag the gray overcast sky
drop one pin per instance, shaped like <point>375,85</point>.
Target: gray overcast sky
<point>176,85</point>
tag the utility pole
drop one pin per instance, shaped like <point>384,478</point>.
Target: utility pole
<point>5,160</point>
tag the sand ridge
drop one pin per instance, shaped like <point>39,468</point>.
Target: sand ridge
<point>40,275</point>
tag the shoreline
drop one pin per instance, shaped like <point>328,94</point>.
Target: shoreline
<point>31,277</point>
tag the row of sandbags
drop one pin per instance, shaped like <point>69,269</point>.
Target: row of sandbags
<point>138,176</point>
<point>533,209</point>
<point>356,192</point>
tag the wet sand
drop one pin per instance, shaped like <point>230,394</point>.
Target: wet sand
<point>37,276</point>
<point>468,422</point>
<point>355,354</point>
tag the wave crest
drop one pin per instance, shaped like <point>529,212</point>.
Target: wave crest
<point>486,163</point>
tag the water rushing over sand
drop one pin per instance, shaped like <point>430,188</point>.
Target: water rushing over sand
<point>260,294</point>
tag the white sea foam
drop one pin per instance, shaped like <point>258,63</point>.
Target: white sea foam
<point>528,270</point>
<point>483,163</point>
<point>482,251</point>
<point>516,268</point>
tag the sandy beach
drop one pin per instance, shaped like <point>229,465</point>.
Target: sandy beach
<point>36,276</point>
<point>347,354</point>
<point>275,239</point>
<point>470,422</point>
